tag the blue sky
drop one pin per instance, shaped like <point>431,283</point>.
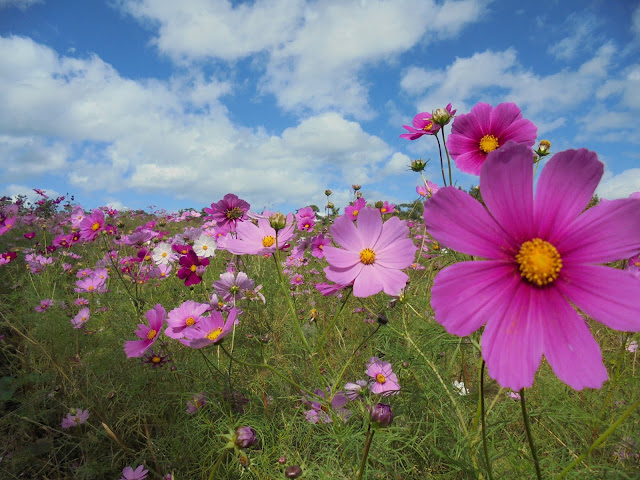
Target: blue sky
<point>135,103</point>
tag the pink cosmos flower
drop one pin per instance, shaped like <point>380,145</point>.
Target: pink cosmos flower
<point>306,219</point>
<point>185,316</point>
<point>318,412</point>
<point>44,305</point>
<point>211,330</point>
<point>81,318</point>
<point>372,254</point>
<point>149,334</point>
<point>352,211</point>
<point>199,401</point>
<point>484,129</point>
<point>229,212</point>
<point>317,245</point>
<point>427,190</point>
<point>231,287</point>
<point>128,473</point>
<point>7,224</point>
<point>75,417</point>
<point>422,125</point>
<point>91,284</point>
<point>383,380</point>
<point>91,226</point>
<point>259,239</point>
<point>541,256</point>
<point>387,208</point>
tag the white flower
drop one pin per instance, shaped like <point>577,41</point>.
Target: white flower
<point>162,254</point>
<point>204,246</point>
<point>460,388</point>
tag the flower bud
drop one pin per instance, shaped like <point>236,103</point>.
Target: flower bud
<point>294,471</point>
<point>327,192</point>
<point>330,205</point>
<point>382,319</point>
<point>379,204</point>
<point>282,460</point>
<point>418,165</point>
<point>543,148</point>
<point>245,437</point>
<point>381,415</point>
<point>358,194</point>
<point>277,221</point>
<point>441,116</point>
<point>356,187</point>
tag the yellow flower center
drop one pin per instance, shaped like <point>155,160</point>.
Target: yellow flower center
<point>152,333</point>
<point>156,359</point>
<point>539,262</point>
<point>189,321</point>
<point>355,213</point>
<point>91,287</point>
<point>164,254</point>
<point>489,143</point>
<point>367,256</point>
<point>147,258</point>
<point>380,378</point>
<point>383,210</point>
<point>428,127</point>
<point>193,268</point>
<point>234,213</point>
<point>204,247</point>
<point>95,226</point>
<point>214,334</point>
<point>84,319</point>
<point>268,241</point>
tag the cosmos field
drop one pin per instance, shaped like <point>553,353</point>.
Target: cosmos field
<point>482,334</point>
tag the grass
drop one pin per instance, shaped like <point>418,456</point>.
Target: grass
<point>138,413</point>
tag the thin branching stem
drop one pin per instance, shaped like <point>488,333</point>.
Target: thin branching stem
<point>527,426</point>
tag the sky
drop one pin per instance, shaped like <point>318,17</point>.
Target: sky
<point>172,105</point>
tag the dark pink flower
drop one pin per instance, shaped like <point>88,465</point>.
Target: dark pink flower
<point>541,263</point>
<point>187,315</point>
<point>422,125</point>
<point>148,334</point>
<point>229,211</point>
<point>211,330</point>
<point>352,211</point>
<point>484,129</point>
<point>306,219</point>
<point>317,245</point>
<point>91,226</point>
<point>387,208</point>
<point>192,268</point>
<point>373,253</point>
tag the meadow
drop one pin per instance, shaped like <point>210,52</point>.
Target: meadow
<point>226,344</point>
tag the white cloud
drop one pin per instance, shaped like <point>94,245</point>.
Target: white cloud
<point>620,185</point>
<point>635,22</point>
<point>81,119</point>
<point>584,30</point>
<point>21,4</point>
<point>315,52</point>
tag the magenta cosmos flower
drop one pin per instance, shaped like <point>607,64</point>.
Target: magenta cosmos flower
<point>183,317</point>
<point>541,256</point>
<point>383,380</point>
<point>192,268</point>
<point>422,125</point>
<point>229,211</point>
<point>373,253</point>
<point>211,330</point>
<point>149,334</point>
<point>140,473</point>
<point>484,129</point>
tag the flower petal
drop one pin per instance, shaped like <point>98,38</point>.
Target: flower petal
<point>564,189</point>
<point>513,339</point>
<point>569,347</point>
<point>345,233</point>
<point>340,258</point>
<point>506,184</point>
<point>605,233</point>
<point>399,254</point>
<point>369,226</point>
<point>607,295</point>
<point>368,282</point>
<point>460,222</point>
<point>486,285</point>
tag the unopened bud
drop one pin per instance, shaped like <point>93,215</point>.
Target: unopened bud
<point>381,415</point>
<point>294,471</point>
<point>441,116</point>
<point>245,437</point>
<point>379,204</point>
<point>356,187</point>
<point>277,221</point>
<point>418,165</point>
<point>543,148</point>
<point>327,192</point>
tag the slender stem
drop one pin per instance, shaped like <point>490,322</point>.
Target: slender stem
<point>527,427</point>
<point>365,454</point>
<point>447,152</point>
<point>348,362</point>
<point>484,427</point>
<point>444,181</point>
<point>600,439</point>
<point>218,462</point>
<point>335,319</point>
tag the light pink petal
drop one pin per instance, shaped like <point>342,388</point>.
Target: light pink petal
<point>392,230</point>
<point>399,254</point>
<point>393,281</point>
<point>569,347</point>
<point>605,294</point>
<point>513,339</point>
<point>136,348</point>
<point>369,225</point>
<point>465,295</point>
<point>506,183</point>
<point>564,189</point>
<point>460,222</point>
<point>343,276</point>
<point>369,282</point>
<point>604,233</point>
<point>339,258</point>
<point>345,234</point>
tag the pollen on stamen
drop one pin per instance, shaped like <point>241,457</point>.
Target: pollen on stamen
<point>539,262</point>
<point>380,378</point>
<point>488,143</point>
<point>367,256</point>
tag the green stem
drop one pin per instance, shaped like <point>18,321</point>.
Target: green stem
<point>365,454</point>
<point>348,362</point>
<point>600,439</point>
<point>484,427</point>
<point>333,322</point>
<point>218,463</point>
<point>444,181</point>
<point>527,427</point>
<point>444,141</point>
